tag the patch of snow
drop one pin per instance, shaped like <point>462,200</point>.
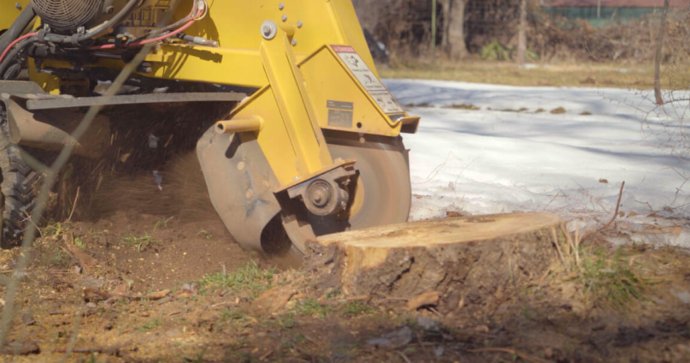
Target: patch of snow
<point>571,165</point>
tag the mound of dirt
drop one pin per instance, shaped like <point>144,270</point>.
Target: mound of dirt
<point>156,230</point>
<point>178,190</point>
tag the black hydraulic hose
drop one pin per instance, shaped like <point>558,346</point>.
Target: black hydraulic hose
<point>12,54</point>
<point>100,29</point>
<point>17,28</point>
<point>27,16</point>
<point>179,23</point>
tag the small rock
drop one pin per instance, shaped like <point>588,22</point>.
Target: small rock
<point>439,351</point>
<point>482,329</point>
<point>426,323</point>
<point>28,319</point>
<point>393,340</point>
<point>548,353</point>
<point>683,296</point>
<point>273,300</point>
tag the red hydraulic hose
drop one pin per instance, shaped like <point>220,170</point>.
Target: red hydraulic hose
<point>152,40</point>
<point>15,43</point>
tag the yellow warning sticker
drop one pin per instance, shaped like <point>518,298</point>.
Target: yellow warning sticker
<point>368,79</point>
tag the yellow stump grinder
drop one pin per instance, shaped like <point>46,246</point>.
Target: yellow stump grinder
<point>310,145</point>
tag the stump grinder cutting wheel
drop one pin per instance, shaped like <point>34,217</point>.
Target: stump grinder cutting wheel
<point>312,145</point>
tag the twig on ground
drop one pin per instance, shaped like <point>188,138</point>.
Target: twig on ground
<point>106,350</point>
<point>551,201</point>
<point>594,199</point>
<point>437,169</point>
<point>74,206</point>
<point>648,205</point>
<point>403,356</point>
<point>524,356</point>
<point>615,214</point>
<point>558,247</point>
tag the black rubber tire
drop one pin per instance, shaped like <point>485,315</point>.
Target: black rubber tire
<point>19,186</point>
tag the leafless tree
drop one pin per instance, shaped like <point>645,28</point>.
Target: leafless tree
<point>657,58</point>
<point>445,8</point>
<point>456,29</point>
<point>522,35</point>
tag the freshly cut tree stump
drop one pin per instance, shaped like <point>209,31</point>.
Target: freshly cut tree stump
<point>466,260</point>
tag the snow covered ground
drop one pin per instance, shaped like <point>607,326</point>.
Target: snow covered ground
<point>495,161</point>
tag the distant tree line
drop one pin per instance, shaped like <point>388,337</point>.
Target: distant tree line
<point>463,25</point>
<point>514,28</point>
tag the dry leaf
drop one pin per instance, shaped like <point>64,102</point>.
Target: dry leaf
<point>429,298</point>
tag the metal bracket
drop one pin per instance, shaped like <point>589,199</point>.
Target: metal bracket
<point>328,193</point>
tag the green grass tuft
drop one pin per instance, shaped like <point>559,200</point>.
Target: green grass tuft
<point>355,308</point>
<point>251,279</point>
<point>610,277</point>
<point>162,224</point>
<point>140,242</point>
<point>150,325</point>
<point>312,307</point>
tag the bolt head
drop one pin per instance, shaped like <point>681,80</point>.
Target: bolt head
<point>281,6</point>
<point>294,42</point>
<point>284,17</point>
<point>299,24</point>
<point>320,195</point>
<point>267,30</point>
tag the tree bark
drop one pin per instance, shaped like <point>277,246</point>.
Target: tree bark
<point>657,58</point>
<point>522,35</point>
<point>434,27</point>
<point>456,30</point>
<point>453,258</point>
<point>445,8</point>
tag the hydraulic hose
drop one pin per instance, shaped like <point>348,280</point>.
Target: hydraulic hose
<point>100,29</point>
<point>13,50</point>
<point>17,28</point>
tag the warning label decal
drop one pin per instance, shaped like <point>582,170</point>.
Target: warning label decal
<point>368,79</point>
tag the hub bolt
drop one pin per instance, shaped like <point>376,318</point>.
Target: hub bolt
<point>320,194</point>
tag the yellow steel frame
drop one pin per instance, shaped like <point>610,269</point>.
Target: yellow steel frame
<point>297,74</point>
<point>9,11</point>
